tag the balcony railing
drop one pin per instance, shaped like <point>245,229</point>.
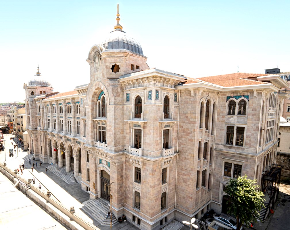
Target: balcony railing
<point>167,152</point>
<point>134,151</point>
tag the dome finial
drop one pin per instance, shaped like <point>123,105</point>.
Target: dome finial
<point>38,73</point>
<point>118,26</point>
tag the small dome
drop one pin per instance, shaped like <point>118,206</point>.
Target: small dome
<point>118,40</point>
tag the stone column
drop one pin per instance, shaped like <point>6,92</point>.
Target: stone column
<point>93,175</point>
<point>54,153</point>
<point>59,155</point>
<point>76,161</point>
<point>67,159</point>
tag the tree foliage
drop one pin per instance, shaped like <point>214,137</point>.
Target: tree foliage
<point>245,200</point>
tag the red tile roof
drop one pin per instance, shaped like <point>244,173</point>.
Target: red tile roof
<point>234,79</point>
<point>70,93</point>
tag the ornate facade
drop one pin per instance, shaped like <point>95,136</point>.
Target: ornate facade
<point>163,145</point>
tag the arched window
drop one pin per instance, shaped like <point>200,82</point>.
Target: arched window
<point>101,105</point>
<point>242,107</point>
<point>138,107</point>
<point>232,107</point>
<point>166,107</point>
<point>207,114</point>
<point>201,115</point>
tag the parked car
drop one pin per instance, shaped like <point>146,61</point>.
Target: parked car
<point>232,224</point>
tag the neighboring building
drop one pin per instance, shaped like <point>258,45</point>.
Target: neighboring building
<point>161,144</point>
<point>283,149</point>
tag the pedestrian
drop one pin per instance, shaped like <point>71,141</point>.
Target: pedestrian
<point>29,161</point>
<point>40,164</point>
<point>36,164</point>
<point>46,169</point>
<point>32,168</point>
<point>23,166</point>
<point>32,164</point>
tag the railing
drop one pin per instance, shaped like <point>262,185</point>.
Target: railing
<point>167,152</point>
<point>134,151</point>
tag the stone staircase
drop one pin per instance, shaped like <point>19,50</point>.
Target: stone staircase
<point>98,209</point>
<point>173,225</point>
<point>62,174</point>
<point>264,212</point>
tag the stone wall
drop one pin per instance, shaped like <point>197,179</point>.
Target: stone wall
<point>283,159</point>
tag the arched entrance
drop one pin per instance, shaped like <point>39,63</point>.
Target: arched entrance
<point>105,185</point>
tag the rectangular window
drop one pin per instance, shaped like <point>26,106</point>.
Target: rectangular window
<point>137,138</point>
<point>205,150</point>
<point>54,124</point>
<point>78,127</point>
<point>237,171</point>
<point>227,169</point>
<point>203,178</point>
<point>157,94</point>
<point>164,175</point>
<point>127,97</point>
<point>88,157</point>
<point>278,142</point>
<point>48,123</point>
<point>163,200</point>
<point>88,174</point>
<point>199,150</point>
<point>137,67</point>
<point>240,136</point>
<point>132,67</point>
<point>61,125</point>
<point>85,128</point>
<point>150,95</point>
<point>137,200</point>
<point>175,97</point>
<point>102,133</point>
<point>209,182</point>
<point>100,161</point>
<point>137,175</point>
<point>197,179</point>
<point>288,109</point>
<point>230,135</point>
<point>166,138</point>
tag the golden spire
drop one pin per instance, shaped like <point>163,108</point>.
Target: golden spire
<point>118,26</point>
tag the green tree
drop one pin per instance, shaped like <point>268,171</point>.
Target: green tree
<point>245,200</point>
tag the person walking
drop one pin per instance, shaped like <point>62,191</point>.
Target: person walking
<point>40,164</point>
<point>46,170</point>
<point>36,164</point>
<point>33,165</point>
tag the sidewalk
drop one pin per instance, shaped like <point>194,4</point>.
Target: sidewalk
<point>70,195</point>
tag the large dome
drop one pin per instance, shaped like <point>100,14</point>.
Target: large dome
<point>118,40</point>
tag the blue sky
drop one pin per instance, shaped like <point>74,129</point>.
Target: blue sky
<point>193,38</point>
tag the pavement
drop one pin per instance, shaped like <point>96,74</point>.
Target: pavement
<point>70,195</point>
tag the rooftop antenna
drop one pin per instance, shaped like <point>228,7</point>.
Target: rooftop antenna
<point>118,26</point>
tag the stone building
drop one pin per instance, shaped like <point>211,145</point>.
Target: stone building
<point>161,144</point>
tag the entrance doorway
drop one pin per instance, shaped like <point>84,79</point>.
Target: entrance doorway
<point>105,185</point>
<point>225,204</point>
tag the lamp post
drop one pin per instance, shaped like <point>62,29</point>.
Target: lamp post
<point>111,198</point>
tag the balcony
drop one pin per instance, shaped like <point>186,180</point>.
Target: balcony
<point>167,152</point>
<point>134,151</point>
<point>101,144</point>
